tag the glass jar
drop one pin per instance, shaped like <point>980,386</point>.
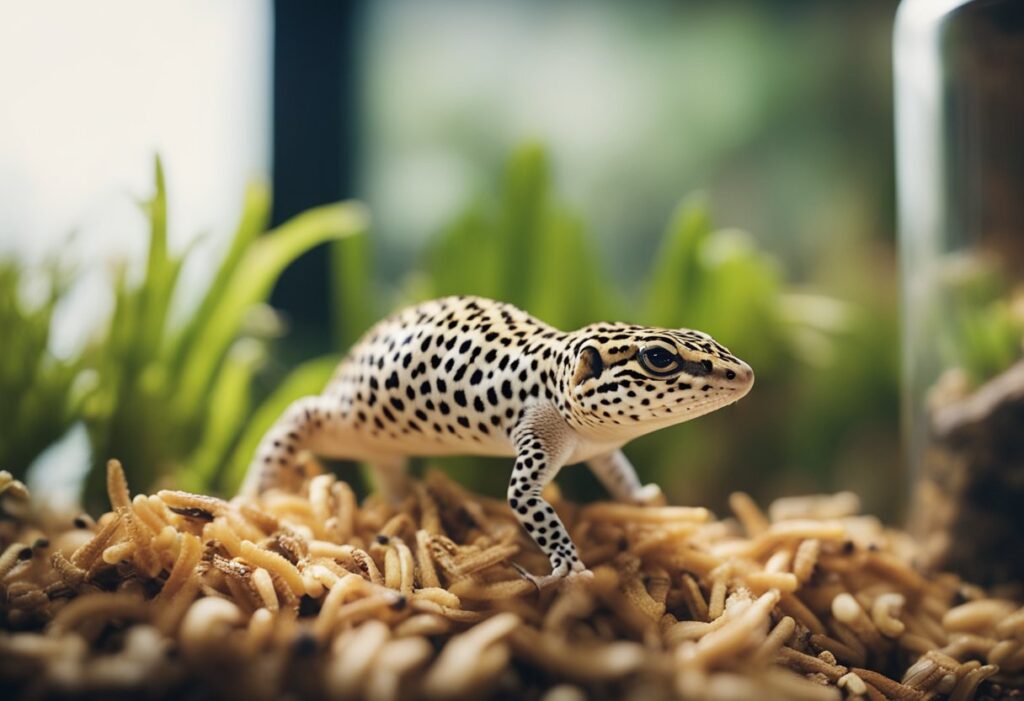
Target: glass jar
<point>959,93</point>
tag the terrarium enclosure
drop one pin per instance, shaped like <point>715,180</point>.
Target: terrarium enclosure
<point>960,74</point>
<point>205,206</point>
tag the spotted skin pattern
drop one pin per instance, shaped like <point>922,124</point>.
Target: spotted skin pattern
<point>467,375</point>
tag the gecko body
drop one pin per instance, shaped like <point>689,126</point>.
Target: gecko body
<point>467,375</point>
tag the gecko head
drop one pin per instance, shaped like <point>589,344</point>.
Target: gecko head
<point>630,380</point>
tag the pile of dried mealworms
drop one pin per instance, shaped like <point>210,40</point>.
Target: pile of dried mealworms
<point>318,596</point>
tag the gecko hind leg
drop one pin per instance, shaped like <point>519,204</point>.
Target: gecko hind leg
<point>309,424</point>
<point>619,477</point>
<point>390,477</point>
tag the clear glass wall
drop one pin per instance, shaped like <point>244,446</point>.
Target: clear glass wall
<point>960,172</point>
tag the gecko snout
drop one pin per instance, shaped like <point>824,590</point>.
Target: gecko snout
<point>739,375</point>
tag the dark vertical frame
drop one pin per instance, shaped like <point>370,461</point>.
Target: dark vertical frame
<point>315,90</point>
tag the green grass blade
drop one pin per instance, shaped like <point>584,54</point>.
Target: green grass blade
<point>674,292</point>
<point>520,226</point>
<point>352,289</point>
<point>33,384</point>
<point>464,259</point>
<point>570,289</point>
<point>252,282</point>
<point>230,400</point>
<point>161,272</point>
<point>308,378</point>
<point>255,215</point>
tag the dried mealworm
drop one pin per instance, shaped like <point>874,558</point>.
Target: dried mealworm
<point>12,555</point>
<point>274,564</point>
<point>749,513</point>
<point>392,569</point>
<point>694,598</point>
<point>716,602</point>
<point>142,510</point>
<point>465,661</point>
<point>849,655</point>
<point>846,609</point>
<point>967,686</point>
<point>777,637</point>
<point>366,564</point>
<point>977,616</point>
<point>739,632</point>
<point>264,586</point>
<point>395,661</point>
<point>345,511</point>
<point>430,519</point>
<point>86,556</point>
<point>424,561</point>
<point>71,575</point>
<point>639,598</point>
<point>188,557</point>
<point>117,487</point>
<point>891,688</point>
<point>808,664</point>
<point>591,662</point>
<point>485,558</point>
<point>205,624</point>
<point>794,607</point>
<point>779,561</point>
<point>320,497</point>
<point>852,683</point>
<point>786,531</point>
<point>761,582</point>
<point>888,567</point>
<point>98,605</point>
<point>629,513</point>
<point>193,505</point>
<point>806,558</point>
<point>425,624</point>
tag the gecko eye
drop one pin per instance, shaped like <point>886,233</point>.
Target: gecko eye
<point>659,361</point>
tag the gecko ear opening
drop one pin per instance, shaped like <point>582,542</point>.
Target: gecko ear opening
<point>588,365</point>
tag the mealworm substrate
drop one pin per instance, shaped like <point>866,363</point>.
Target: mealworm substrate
<point>319,596</point>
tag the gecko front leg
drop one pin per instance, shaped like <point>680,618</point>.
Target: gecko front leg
<point>542,442</point>
<point>619,477</point>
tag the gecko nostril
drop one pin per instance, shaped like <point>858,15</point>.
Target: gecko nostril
<point>730,375</point>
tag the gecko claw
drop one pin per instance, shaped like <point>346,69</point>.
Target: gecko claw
<point>649,495</point>
<point>532,579</point>
<point>559,575</point>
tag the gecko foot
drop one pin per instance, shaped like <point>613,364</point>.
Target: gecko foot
<point>558,575</point>
<point>649,495</point>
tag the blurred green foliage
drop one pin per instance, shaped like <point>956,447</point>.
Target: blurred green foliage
<point>177,401</point>
<point>525,246</point>
<point>168,400</point>
<point>986,333</point>
<point>35,386</point>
